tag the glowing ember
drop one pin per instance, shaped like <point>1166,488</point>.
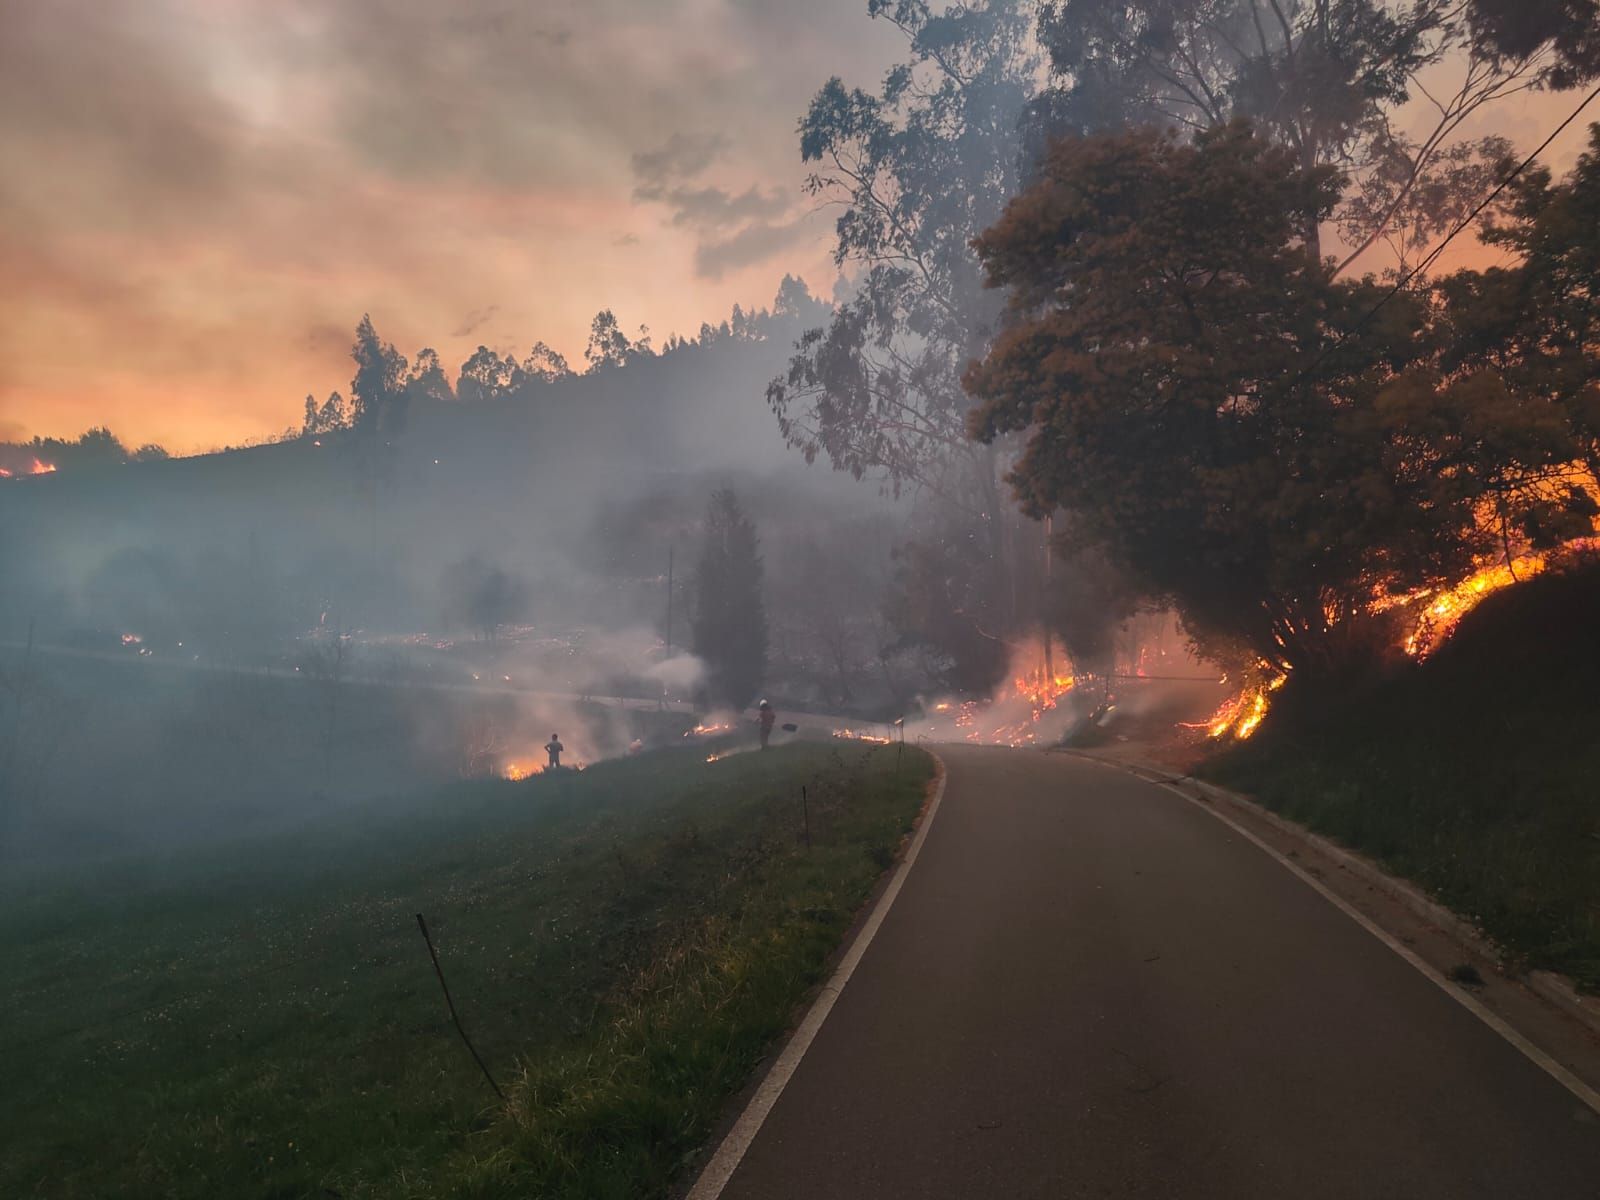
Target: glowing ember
<point>1043,691</point>
<point>133,639</point>
<point>856,735</point>
<point>1039,692</point>
<point>703,730</point>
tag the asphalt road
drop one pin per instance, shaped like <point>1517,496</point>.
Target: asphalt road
<point>1089,987</point>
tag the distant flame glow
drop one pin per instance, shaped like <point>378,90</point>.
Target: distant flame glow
<point>37,467</point>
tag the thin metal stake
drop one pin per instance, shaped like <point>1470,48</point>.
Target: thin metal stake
<point>450,1004</point>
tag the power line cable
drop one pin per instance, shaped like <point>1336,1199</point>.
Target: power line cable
<point>1432,255</point>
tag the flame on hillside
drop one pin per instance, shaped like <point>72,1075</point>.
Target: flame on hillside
<point>1438,612</point>
<point>518,770</point>
<point>37,467</point>
<point>1444,610</point>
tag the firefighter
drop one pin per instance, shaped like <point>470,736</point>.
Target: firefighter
<point>768,719</point>
<point>554,748</point>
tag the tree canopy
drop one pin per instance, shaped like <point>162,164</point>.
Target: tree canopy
<point>1216,412</point>
<point>730,619</point>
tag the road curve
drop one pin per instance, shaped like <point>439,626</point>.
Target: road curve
<point>1089,988</point>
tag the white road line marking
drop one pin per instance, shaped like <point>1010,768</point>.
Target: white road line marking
<point>731,1152</point>
<point>1538,1057</point>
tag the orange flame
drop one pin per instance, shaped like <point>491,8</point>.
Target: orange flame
<point>1445,609</point>
<point>857,735</point>
<point>1241,714</point>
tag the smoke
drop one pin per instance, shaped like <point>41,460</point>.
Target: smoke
<point>680,674</point>
<point>342,619</point>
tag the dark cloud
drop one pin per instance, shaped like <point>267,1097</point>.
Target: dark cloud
<point>681,156</point>
<point>325,336</point>
<point>474,321</point>
<point>733,229</point>
<point>753,243</point>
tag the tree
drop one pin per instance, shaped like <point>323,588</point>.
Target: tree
<point>931,606</point>
<point>378,390</point>
<point>609,346</point>
<point>917,171</point>
<point>1210,406</point>
<point>1324,78</point>
<point>334,415</point>
<point>1519,29</point>
<point>427,381</point>
<point>485,596</point>
<point>1088,603</point>
<point>328,418</point>
<point>486,376</point>
<point>544,364</point>
<point>1524,339</point>
<point>730,620</point>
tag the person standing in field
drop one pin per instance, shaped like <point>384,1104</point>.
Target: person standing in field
<point>554,748</point>
<point>768,718</point>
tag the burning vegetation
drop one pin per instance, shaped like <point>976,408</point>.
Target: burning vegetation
<point>1431,618</point>
<point>35,467</point>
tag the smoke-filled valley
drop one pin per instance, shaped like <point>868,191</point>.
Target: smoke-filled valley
<point>463,779</point>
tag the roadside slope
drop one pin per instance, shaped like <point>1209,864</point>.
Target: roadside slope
<point>1476,774</point>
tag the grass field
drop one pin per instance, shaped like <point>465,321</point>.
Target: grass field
<point>262,1020</point>
<point>1476,774</point>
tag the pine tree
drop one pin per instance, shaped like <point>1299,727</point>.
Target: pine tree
<point>730,621</point>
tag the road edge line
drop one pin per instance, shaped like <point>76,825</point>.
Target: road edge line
<point>731,1151</point>
<point>1579,1089</point>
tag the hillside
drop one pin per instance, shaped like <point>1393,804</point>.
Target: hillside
<point>578,485</point>
<point>1472,773</point>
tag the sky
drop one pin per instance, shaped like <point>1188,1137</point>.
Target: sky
<point>200,198</point>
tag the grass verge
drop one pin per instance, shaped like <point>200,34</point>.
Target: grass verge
<point>1475,774</point>
<point>623,945</point>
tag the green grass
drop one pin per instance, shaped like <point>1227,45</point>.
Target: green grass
<point>1476,774</point>
<point>262,1021</point>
